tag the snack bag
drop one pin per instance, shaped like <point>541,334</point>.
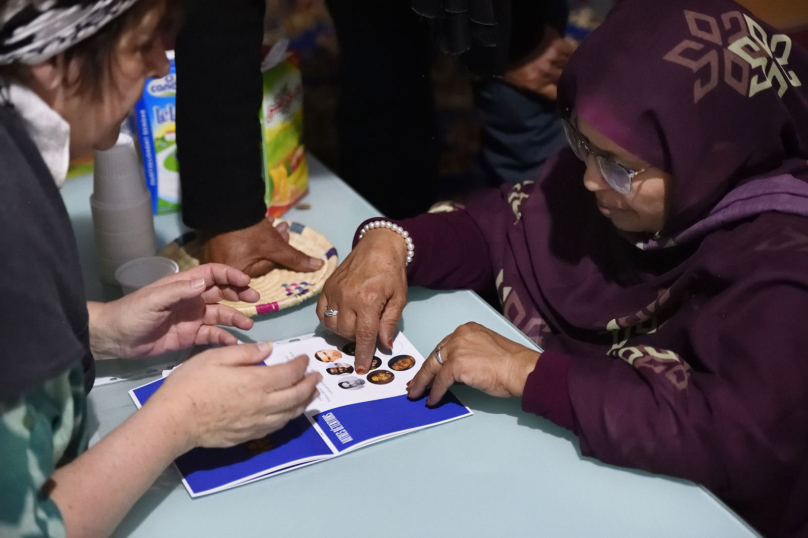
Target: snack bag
<point>285,172</point>
<point>154,122</point>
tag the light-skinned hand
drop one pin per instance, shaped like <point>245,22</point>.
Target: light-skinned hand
<point>223,396</point>
<point>173,313</point>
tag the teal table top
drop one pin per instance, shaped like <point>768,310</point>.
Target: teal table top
<point>500,473</point>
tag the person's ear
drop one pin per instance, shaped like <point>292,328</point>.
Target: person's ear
<point>46,79</point>
<point>47,75</point>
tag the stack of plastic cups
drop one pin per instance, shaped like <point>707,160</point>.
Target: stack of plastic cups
<point>122,209</point>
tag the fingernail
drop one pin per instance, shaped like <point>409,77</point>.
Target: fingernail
<point>316,263</point>
<point>390,343</point>
<point>361,371</point>
<point>198,284</point>
<point>265,347</point>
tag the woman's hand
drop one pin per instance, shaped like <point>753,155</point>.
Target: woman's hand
<point>173,313</point>
<point>478,357</point>
<point>369,290</point>
<point>257,249</point>
<point>540,75</point>
<point>224,396</point>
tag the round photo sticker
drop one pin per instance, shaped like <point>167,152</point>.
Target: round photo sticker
<point>351,383</point>
<point>375,363</point>
<point>401,363</point>
<point>349,348</point>
<point>328,355</point>
<point>381,377</point>
<point>340,368</point>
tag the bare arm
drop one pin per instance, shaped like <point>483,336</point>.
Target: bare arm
<point>96,491</point>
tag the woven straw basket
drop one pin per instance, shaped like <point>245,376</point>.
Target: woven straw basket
<point>280,288</point>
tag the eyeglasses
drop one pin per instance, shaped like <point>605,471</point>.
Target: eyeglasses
<point>616,175</point>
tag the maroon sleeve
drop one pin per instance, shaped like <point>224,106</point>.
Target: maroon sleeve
<point>546,392</point>
<point>737,424</point>
<point>450,251</point>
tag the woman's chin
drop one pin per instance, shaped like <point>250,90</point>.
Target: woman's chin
<point>108,140</point>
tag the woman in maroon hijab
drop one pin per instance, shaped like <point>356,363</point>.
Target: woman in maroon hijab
<point>661,264</point>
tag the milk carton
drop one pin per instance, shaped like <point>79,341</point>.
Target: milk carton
<point>155,124</point>
<point>285,171</point>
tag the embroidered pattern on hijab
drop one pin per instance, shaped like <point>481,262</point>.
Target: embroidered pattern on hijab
<point>31,31</point>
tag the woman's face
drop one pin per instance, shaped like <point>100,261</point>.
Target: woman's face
<point>642,209</point>
<point>96,119</point>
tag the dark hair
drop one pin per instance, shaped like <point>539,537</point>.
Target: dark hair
<point>95,55</point>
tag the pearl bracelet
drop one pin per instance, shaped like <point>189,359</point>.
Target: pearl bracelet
<point>394,228</point>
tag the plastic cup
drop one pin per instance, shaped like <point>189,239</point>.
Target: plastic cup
<point>117,175</point>
<point>141,272</point>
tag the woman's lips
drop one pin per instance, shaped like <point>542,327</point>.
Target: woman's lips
<point>607,209</point>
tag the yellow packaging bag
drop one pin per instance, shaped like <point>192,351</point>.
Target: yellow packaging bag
<point>285,172</point>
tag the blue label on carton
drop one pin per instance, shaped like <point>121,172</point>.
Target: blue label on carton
<point>155,121</point>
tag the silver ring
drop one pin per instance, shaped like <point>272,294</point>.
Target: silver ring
<point>329,313</point>
<point>437,356</point>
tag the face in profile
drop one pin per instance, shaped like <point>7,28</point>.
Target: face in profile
<point>351,383</point>
<point>375,363</point>
<point>340,368</point>
<point>401,363</point>
<point>381,377</point>
<point>643,208</point>
<point>328,355</point>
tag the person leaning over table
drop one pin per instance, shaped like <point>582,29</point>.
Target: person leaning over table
<point>665,276</point>
<point>219,93</point>
<point>70,71</point>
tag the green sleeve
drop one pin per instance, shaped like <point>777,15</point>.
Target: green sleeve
<point>39,431</point>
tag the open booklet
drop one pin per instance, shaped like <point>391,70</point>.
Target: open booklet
<point>351,412</point>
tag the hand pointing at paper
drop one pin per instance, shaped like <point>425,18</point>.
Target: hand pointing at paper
<point>368,291</point>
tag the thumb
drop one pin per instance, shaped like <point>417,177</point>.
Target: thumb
<point>284,254</point>
<point>242,355</point>
<point>167,295</point>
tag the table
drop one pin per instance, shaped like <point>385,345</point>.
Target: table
<point>500,473</point>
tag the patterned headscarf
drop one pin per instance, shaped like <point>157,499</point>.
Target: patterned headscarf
<point>31,31</point>
<point>702,90</point>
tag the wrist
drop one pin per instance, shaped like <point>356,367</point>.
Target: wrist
<point>102,340</point>
<point>174,417</point>
<point>393,227</point>
<point>387,243</point>
<point>165,421</point>
<point>524,366</point>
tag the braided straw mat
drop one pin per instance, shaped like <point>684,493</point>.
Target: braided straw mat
<point>280,288</point>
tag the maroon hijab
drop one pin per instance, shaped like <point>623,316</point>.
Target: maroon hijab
<point>700,89</point>
<point>687,355</point>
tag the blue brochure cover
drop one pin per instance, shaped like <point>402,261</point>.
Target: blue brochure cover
<point>352,411</point>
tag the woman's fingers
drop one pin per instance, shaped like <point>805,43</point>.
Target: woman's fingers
<point>444,379</point>
<point>281,376</point>
<point>208,335</point>
<point>346,324</point>
<point>219,314</point>
<point>367,329</point>
<point>428,371</point>
<point>321,306</point>
<point>389,320</point>
<point>296,396</point>
<point>216,293</point>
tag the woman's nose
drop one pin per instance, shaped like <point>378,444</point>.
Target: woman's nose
<point>158,62</point>
<point>593,178</point>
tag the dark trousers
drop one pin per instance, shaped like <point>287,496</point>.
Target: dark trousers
<point>386,117</point>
